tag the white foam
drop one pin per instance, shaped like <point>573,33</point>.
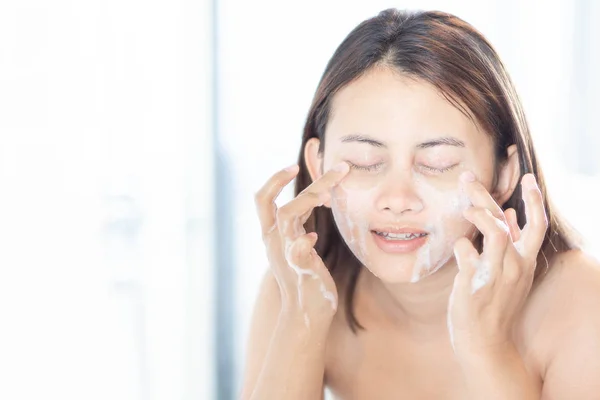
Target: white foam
<point>448,205</point>
<point>481,276</point>
<point>305,272</point>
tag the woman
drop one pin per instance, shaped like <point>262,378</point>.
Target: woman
<point>421,256</point>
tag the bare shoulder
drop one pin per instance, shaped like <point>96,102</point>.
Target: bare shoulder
<point>569,270</point>
<point>562,313</point>
<point>573,279</point>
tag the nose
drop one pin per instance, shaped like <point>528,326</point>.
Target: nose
<point>398,196</point>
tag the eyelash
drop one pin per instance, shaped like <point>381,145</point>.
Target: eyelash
<point>438,170</point>
<point>367,168</point>
<point>370,168</point>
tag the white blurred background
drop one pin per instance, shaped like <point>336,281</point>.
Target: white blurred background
<point>133,135</point>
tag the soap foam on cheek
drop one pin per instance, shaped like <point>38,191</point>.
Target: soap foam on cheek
<point>447,208</point>
<point>354,230</point>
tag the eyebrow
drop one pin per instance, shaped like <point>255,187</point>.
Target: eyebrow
<point>447,141</point>
<point>362,139</point>
<point>442,141</point>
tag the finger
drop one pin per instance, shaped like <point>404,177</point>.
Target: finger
<point>467,259</point>
<point>329,179</point>
<point>479,195</point>
<point>265,198</point>
<point>304,259</point>
<point>513,225</point>
<point>299,252</point>
<point>537,222</point>
<point>466,256</point>
<point>512,271</point>
<point>292,216</point>
<point>495,234</point>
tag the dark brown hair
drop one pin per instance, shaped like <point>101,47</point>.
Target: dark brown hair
<point>445,51</point>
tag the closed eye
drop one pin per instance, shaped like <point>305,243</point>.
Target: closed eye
<point>438,170</point>
<point>367,168</point>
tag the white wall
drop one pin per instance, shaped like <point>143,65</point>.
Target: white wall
<point>106,204</point>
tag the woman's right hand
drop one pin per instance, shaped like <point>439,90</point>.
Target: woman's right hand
<point>305,283</point>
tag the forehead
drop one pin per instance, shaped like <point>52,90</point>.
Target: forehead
<point>397,109</point>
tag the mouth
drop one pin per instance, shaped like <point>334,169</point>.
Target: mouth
<point>399,241</point>
<point>400,235</point>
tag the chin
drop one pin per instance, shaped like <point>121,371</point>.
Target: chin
<point>392,270</point>
<point>388,275</point>
<point>395,273</point>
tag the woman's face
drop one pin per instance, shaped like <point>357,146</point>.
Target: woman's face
<point>400,207</point>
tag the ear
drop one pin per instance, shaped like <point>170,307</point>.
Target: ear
<point>314,161</point>
<point>508,177</point>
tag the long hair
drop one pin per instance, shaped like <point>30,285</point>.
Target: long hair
<point>445,51</point>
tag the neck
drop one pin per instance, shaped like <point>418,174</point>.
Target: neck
<point>419,307</point>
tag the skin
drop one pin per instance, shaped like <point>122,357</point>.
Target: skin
<point>437,326</point>
<point>410,186</point>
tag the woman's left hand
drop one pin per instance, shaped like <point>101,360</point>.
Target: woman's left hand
<point>491,288</point>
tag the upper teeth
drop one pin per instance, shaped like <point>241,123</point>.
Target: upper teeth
<point>403,236</point>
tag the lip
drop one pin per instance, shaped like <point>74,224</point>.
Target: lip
<point>399,246</point>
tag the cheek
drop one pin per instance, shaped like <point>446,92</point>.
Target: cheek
<point>350,210</point>
<point>452,226</point>
<point>352,205</point>
<point>358,181</point>
<point>445,224</point>
<point>445,208</point>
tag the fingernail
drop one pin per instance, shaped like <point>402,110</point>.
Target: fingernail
<point>341,167</point>
<point>292,168</point>
<point>467,176</point>
<point>529,182</point>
